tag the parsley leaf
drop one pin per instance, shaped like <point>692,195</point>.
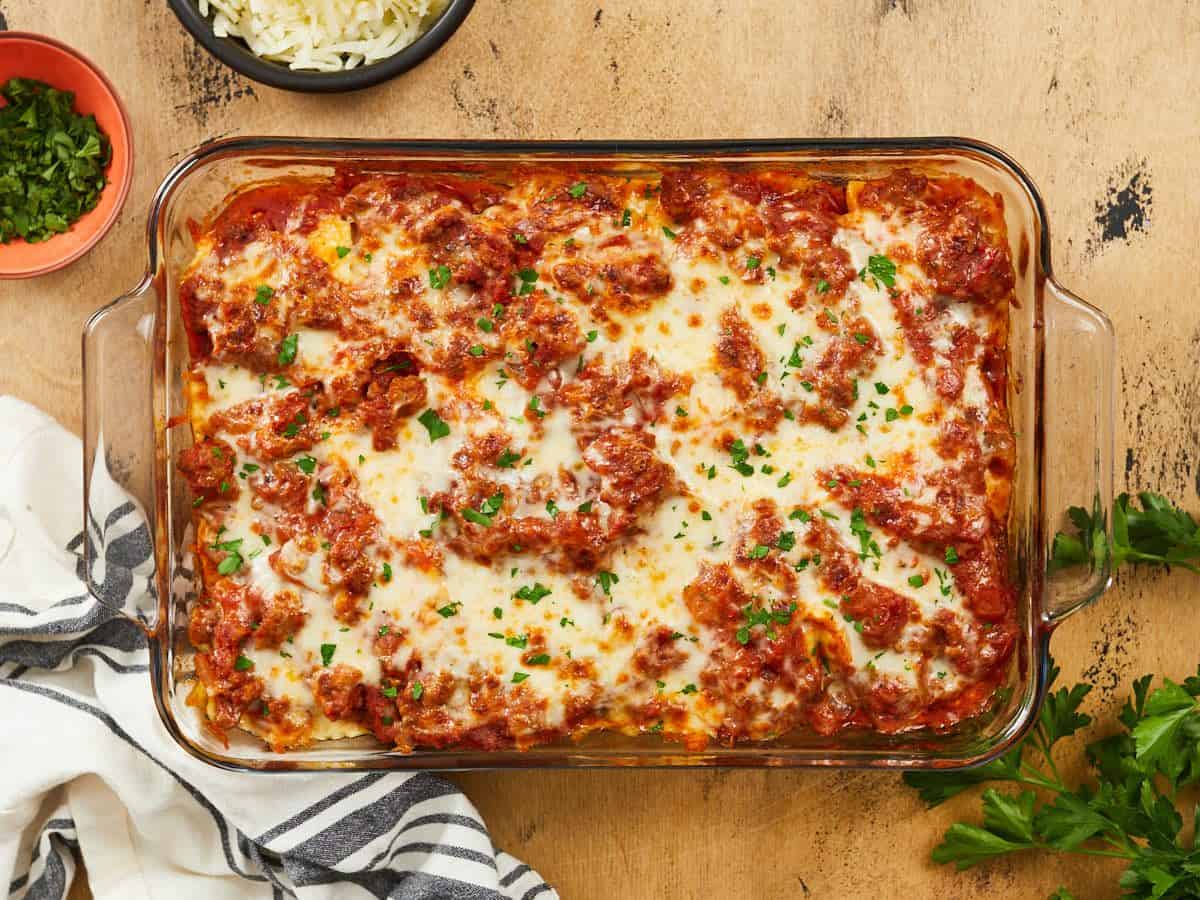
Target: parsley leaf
<point>883,269</point>
<point>287,349</point>
<point>439,277</point>
<point>765,617</point>
<point>434,425</point>
<point>1158,534</point>
<point>1130,812</point>
<point>532,593</point>
<point>606,580</point>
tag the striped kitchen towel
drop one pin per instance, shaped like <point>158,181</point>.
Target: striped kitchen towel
<point>89,771</point>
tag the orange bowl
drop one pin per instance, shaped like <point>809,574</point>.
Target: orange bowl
<point>26,55</point>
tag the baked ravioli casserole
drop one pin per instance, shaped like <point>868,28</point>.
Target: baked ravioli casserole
<point>486,462</point>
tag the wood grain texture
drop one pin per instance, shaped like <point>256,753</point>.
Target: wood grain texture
<point>1096,100</point>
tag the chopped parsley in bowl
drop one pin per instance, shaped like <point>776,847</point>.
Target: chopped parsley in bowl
<point>52,161</point>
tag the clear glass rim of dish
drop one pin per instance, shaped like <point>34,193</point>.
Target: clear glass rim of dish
<point>1060,336</point>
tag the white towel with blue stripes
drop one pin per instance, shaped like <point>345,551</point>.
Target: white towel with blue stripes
<point>87,769</point>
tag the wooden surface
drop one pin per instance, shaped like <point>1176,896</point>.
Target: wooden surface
<point>1096,100</point>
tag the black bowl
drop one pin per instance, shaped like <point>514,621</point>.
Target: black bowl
<point>235,54</point>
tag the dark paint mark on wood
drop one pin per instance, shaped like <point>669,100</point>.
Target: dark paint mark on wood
<point>1125,209</point>
<point>883,7</point>
<point>1110,654</point>
<point>834,115</point>
<point>495,49</point>
<point>596,18</point>
<point>209,85</point>
<point>3,21</point>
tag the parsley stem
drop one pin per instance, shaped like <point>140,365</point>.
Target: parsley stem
<point>1034,778</point>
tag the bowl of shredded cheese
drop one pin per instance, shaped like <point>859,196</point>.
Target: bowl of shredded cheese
<point>321,46</point>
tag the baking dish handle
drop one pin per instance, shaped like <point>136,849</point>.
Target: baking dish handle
<point>118,455</point>
<point>1077,420</point>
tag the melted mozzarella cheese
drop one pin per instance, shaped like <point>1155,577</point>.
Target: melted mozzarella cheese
<point>469,620</point>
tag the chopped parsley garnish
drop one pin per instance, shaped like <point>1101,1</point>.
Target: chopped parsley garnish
<point>883,269</point>
<point>862,338</point>
<point>487,509</point>
<point>53,159</point>
<point>233,558</point>
<point>318,494</point>
<point>890,414</point>
<point>606,580</point>
<point>739,454</point>
<point>532,593</point>
<point>389,690</point>
<point>540,660</point>
<point>916,581</point>
<point>944,581</point>
<point>752,262</point>
<point>418,690</point>
<point>485,324</point>
<point>439,277</point>
<point>578,189</point>
<point>287,349</point>
<point>592,335</point>
<point>433,424</point>
<point>765,617</point>
<point>951,555</point>
<point>528,279</point>
<point>585,507</point>
<point>724,279</point>
<point>263,295</point>
<point>881,388</point>
<point>786,541</point>
<point>799,515</point>
<point>795,360</point>
<point>822,286</point>
<point>450,609</point>
<point>668,232</point>
<point>307,464</point>
<point>858,527</point>
<point>242,663</point>
<point>384,629</point>
<point>681,412</point>
<point>476,350</point>
<point>520,238</point>
<point>758,552</point>
<point>688,688</point>
<point>508,459</point>
<point>626,218</point>
<point>552,509</point>
<point>342,252</point>
<point>518,677</point>
<point>785,480</point>
<point>535,404</point>
<point>327,651</point>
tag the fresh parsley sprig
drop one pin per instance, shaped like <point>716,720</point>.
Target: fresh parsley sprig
<point>1159,533</point>
<point>1131,812</point>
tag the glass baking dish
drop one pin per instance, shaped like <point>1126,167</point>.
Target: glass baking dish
<point>1061,399</point>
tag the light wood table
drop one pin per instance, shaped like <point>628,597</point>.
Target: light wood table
<point>1097,100</point>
